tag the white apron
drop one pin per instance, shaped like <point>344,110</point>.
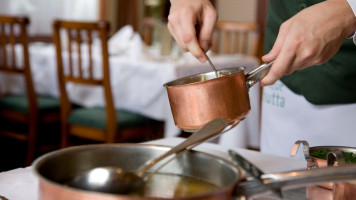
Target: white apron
<point>288,117</point>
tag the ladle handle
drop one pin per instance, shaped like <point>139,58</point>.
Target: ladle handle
<point>208,131</point>
<point>257,74</point>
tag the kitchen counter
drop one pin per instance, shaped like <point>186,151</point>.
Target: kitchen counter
<point>22,184</point>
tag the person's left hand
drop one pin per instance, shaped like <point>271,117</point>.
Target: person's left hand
<point>309,38</point>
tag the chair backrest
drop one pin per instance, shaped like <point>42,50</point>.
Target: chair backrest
<point>78,39</point>
<point>235,37</point>
<point>13,34</point>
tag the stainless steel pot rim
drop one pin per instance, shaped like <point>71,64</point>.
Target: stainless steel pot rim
<point>40,160</point>
<point>209,76</point>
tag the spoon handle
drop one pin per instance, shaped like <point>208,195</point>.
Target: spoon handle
<point>208,131</point>
<point>212,65</point>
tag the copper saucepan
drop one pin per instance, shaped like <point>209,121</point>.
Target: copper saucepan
<point>200,98</point>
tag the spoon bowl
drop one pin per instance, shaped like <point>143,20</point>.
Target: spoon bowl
<point>110,179</point>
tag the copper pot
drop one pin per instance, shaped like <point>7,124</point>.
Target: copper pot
<point>200,98</point>
<point>341,190</point>
<point>337,190</point>
<point>55,169</point>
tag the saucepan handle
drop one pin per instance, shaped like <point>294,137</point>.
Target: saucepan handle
<point>286,180</point>
<point>311,176</point>
<point>257,74</point>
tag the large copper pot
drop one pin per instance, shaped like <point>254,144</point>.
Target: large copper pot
<point>341,190</point>
<point>55,169</point>
<point>337,191</point>
<point>200,98</point>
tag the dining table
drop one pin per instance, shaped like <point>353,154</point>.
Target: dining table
<point>22,183</point>
<point>137,77</point>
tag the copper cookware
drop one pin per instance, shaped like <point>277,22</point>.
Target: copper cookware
<point>337,191</point>
<point>200,98</point>
<point>340,190</point>
<point>55,169</point>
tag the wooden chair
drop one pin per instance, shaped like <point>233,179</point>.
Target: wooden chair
<point>235,37</point>
<point>28,110</point>
<point>148,24</point>
<point>99,124</point>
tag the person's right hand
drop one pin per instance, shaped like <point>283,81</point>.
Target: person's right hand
<point>311,37</point>
<point>183,16</point>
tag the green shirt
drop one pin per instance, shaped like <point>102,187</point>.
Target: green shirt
<point>331,83</point>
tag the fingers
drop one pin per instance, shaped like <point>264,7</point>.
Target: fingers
<point>305,41</point>
<point>183,16</point>
<point>279,68</point>
<point>282,56</point>
<point>174,28</point>
<point>190,40</point>
<point>183,31</point>
<point>209,19</point>
<point>282,34</point>
<point>176,38</point>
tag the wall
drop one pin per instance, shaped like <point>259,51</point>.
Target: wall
<point>237,10</point>
<point>229,10</point>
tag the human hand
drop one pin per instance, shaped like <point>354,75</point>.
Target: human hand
<point>183,16</point>
<point>310,38</point>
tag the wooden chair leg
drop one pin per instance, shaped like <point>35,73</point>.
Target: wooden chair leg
<point>31,144</point>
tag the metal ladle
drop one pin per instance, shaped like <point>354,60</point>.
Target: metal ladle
<point>118,181</point>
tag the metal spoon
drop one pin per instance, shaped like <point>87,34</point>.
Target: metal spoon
<point>118,181</point>
<point>211,64</point>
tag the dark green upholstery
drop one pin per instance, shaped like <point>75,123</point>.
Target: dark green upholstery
<point>95,117</point>
<point>19,103</point>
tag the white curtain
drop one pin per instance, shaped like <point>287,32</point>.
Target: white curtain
<point>43,12</point>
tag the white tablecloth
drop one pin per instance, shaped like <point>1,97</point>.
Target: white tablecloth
<point>22,184</point>
<point>137,85</point>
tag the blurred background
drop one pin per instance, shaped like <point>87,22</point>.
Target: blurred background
<point>119,12</point>
<point>138,42</point>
